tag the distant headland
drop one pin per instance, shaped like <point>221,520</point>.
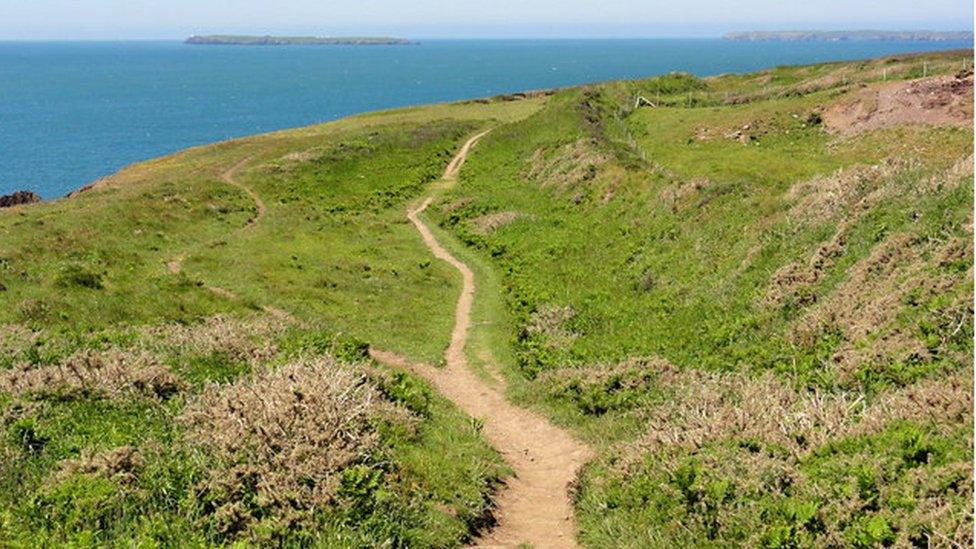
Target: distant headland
<point>844,36</point>
<point>243,40</point>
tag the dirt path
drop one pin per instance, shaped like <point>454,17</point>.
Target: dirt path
<point>535,507</point>
<point>229,177</point>
<point>454,168</point>
<point>175,265</point>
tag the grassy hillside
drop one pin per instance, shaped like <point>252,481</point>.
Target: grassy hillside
<point>752,294</point>
<point>765,321</point>
<point>173,355</point>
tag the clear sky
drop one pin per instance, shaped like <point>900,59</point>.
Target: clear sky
<point>150,19</point>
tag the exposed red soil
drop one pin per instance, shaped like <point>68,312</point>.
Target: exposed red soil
<point>935,101</point>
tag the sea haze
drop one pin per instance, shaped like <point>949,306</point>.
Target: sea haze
<point>71,112</point>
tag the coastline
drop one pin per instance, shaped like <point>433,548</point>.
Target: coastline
<point>24,166</point>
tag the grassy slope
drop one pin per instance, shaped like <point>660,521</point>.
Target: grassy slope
<point>639,235</point>
<point>333,250</point>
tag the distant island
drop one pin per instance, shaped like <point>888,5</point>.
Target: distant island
<point>242,40</point>
<point>844,36</point>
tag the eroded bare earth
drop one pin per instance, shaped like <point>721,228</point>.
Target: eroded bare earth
<point>935,101</point>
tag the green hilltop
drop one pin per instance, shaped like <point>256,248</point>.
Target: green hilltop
<point>751,295</point>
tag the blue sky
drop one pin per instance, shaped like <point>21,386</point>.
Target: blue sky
<point>150,19</point>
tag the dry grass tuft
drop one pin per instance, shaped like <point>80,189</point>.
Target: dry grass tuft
<point>677,196</point>
<point>939,512</point>
<point>308,155</point>
<point>121,464</point>
<point>947,524</point>
<point>955,250</point>
<point>791,282</point>
<point>487,224</point>
<point>293,160</point>
<point>886,260</point>
<point>110,372</point>
<point>549,322</point>
<point>706,407</point>
<point>281,437</point>
<point>951,178</point>
<point>567,166</point>
<point>844,194</point>
<point>659,368</point>
<point>245,340</point>
<point>865,307</point>
<point>456,205</point>
<point>597,389</point>
<point>946,400</point>
<point>868,302</point>
<point>727,429</point>
<point>15,339</point>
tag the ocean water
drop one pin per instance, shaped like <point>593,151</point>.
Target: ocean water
<point>71,112</point>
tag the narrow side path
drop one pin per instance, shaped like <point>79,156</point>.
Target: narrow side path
<point>230,177</point>
<point>175,265</point>
<point>535,506</point>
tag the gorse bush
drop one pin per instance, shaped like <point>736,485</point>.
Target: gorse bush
<point>293,448</point>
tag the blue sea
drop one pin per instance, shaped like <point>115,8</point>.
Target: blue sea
<point>71,112</point>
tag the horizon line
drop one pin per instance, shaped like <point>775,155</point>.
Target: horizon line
<point>703,36</point>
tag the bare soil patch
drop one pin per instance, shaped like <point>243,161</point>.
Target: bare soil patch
<point>935,101</point>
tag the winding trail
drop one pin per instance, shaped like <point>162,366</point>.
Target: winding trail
<point>454,167</point>
<point>228,176</point>
<point>535,507</point>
